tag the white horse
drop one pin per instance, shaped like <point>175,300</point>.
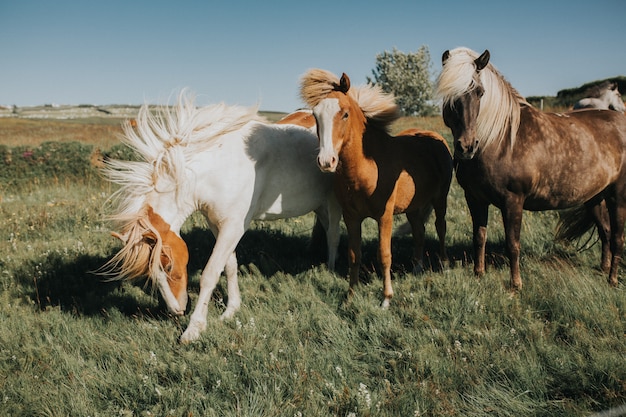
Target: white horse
<point>234,168</point>
<point>604,96</point>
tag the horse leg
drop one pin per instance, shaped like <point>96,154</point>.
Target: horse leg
<point>617,213</point>
<point>417,220</point>
<point>330,218</point>
<point>480,216</point>
<point>353,227</point>
<point>602,220</point>
<point>441,228</point>
<point>234,297</point>
<point>385,227</point>
<point>512,219</point>
<point>333,231</point>
<point>225,245</point>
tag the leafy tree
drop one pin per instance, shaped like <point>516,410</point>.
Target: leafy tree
<point>408,77</point>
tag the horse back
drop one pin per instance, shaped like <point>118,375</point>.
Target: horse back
<point>557,160</point>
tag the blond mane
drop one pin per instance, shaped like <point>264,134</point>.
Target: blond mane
<point>140,255</point>
<point>165,140</point>
<point>377,106</point>
<point>500,105</point>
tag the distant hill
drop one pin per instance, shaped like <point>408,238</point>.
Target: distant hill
<point>566,98</point>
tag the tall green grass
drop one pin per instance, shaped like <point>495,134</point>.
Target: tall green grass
<point>450,344</point>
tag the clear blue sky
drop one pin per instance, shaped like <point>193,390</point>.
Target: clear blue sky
<point>254,52</point>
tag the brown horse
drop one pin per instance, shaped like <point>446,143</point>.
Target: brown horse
<point>301,117</point>
<point>377,175</point>
<point>517,158</point>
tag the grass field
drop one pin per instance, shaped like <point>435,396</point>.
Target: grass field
<point>449,345</point>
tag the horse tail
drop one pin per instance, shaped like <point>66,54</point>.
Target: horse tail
<point>318,247</point>
<point>573,223</point>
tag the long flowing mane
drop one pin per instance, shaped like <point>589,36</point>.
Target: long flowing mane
<point>164,140</point>
<point>500,105</point>
<point>377,106</point>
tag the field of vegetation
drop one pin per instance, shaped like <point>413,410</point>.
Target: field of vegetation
<point>72,344</point>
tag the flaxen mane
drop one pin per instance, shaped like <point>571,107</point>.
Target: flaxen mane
<point>164,141</point>
<point>377,106</point>
<point>500,105</point>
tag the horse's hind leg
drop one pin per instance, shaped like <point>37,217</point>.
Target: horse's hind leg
<point>617,213</point>
<point>601,218</point>
<point>385,227</point>
<point>234,297</point>
<point>333,232</point>
<point>416,220</point>
<point>330,217</point>
<point>441,227</point>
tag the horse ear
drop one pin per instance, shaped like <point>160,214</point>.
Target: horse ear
<point>482,61</point>
<point>344,83</point>
<point>445,57</point>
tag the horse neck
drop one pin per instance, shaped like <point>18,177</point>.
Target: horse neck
<point>354,152</point>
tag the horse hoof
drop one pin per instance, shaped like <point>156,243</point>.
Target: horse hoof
<point>189,336</point>
<point>229,313</point>
<point>385,304</point>
<point>192,333</point>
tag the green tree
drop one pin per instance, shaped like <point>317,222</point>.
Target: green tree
<point>408,77</point>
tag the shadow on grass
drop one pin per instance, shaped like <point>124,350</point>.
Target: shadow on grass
<point>56,280</point>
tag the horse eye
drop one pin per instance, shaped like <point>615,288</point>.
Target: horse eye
<point>345,116</point>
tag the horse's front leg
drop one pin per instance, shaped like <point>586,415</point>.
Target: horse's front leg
<point>480,215</point>
<point>512,219</point>
<point>385,226</point>
<point>225,245</point>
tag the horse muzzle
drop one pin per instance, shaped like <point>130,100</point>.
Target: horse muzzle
<point>465,152</point>
<point>327,164</point>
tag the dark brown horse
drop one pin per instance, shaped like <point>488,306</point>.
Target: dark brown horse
<point>517,158</point>
<point>377,175</point>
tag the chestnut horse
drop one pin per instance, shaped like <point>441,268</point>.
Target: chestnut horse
<point>301,117</point>
<point>377,175</point>
<point>233,168</point>
<point>517,158</point>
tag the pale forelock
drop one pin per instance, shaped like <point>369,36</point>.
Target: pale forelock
<point>377,106</point>
<point>316,84</point>
<point>500,104</point>
<point>137,257</point>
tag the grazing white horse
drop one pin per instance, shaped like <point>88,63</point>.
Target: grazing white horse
<point>226,163</point>
<point>604,96</point>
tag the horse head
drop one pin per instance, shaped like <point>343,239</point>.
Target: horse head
<point>151,248</point>
<point>460,113</point>
<point>334,115</point>
<point>614,98</point>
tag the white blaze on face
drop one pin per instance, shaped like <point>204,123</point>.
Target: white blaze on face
<point>325,113</point>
